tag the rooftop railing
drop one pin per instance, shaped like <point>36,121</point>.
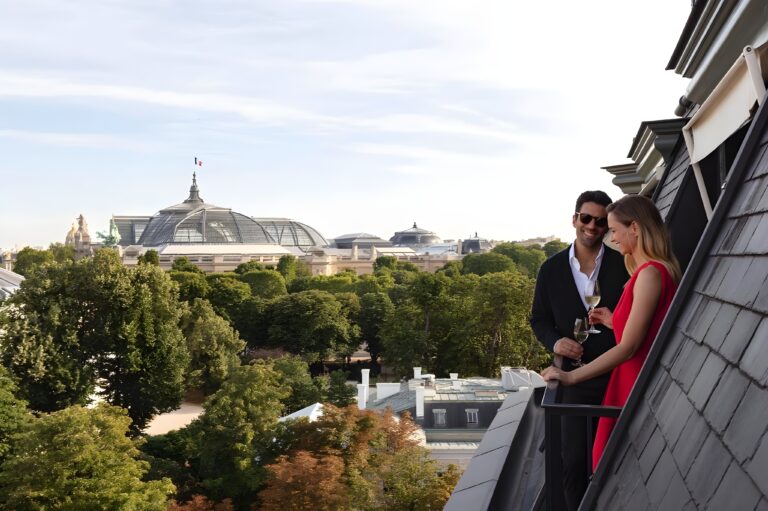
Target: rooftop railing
<point>554,499</point>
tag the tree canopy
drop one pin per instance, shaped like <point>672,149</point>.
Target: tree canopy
<point>79,459</point>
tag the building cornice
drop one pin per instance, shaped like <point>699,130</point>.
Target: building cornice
<point>652,151</point>
<point>715,35</point>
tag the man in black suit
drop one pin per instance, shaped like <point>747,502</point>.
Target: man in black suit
<point>563,281</point>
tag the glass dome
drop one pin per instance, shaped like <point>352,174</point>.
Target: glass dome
<point>194,221</point>
<point>415,237</point>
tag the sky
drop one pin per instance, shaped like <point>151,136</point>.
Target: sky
<point>487,116</point>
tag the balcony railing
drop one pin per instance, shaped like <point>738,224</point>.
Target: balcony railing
<point>553,411</point>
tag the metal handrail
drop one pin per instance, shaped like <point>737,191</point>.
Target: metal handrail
<point>553,462</point>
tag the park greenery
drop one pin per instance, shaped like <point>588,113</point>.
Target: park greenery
<point>257,343</point>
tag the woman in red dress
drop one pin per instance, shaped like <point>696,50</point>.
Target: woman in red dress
<point>640,235</point>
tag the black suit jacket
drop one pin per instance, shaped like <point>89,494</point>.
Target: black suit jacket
<point>557,304</point>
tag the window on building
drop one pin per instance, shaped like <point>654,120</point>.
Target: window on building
<point>439,416</point>
<point>472,416</point>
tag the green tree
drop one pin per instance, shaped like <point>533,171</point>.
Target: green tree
<point>227,293</point>
<point>244,268</point>
<point>29,260</point>
<point>375,311</point>
<point>97,319</point>
<point>14,416</point>
<point>142,353</point>
<point>309,323</point>
<point>183,264</point>
<point>265,283</point>
<point>150,257</point>
<point>235,431</point>
<point>214,346</point>
<point>339,393</point>
<point>553,247</point>
<point>528,259</point>
<point>491,262</point>
<point>295,376</point>
<point>290,268</point>
<point>62,253</point>
<point>191,284</point>
<point>79,460</point>
<point>384,262</point>
<point>412,481</point>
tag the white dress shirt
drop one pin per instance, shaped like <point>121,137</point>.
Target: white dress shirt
<point>585,284</point>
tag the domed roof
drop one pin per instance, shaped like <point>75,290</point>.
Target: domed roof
<point>415,237</point>
<point>194,221</point>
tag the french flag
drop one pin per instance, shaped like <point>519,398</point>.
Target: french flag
<point>199,163</point>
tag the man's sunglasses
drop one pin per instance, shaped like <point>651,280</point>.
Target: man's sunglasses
<point>586,219</point>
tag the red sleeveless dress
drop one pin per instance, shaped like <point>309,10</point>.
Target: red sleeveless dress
<point>623,377</point>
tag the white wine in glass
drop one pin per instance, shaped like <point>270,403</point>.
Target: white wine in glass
<point>592,301</point>
<point>580,333</point>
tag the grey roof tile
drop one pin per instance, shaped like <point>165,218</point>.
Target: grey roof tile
<point>706,380</point>
<point>690,442</point>
<point>726,398</point>
<point>745,236</point>
<point>762,505</point>
<point>498,437</point>
<point>743,282</point>
<point>672,420</point>
<point>736,491</point>
<point>677,495</point>
<point>470,499</point>
<point>484,467</point>
<point>672,349</point>
<point>712,276</point>
<point>739,336</point>
<point>759,242</point>
<point>699,324</point>
<point>761,300</point>
<point>758,169</point>
<point>650,455</point>
<point>730,233</point>
<point>658,388</point>
<point>754,362</point>
<point>751,283</point>
<point>708,469</point>
<point>751,192</point>
<point>749,423</point>
<point>758,466</point>
<point>720,328</point>
<point>668,401</point>
<point>642,426</point>
<point>661,477</point>
<point>689,364</point>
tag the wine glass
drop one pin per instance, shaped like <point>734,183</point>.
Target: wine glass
<point>580,333</point>
<point>592,301</point>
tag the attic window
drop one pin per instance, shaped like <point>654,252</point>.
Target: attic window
<point>439,416</point>
<point>472,416</point>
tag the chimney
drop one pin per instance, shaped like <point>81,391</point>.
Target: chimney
<point>384,390</point>
<point>507,381</point>
<point>458,247</point>
<point>365,373</point>
<point>454,376</point>
<point>362,395</point>
<point>354,252</point>
<point>416,373</point>
<point>420,402</point>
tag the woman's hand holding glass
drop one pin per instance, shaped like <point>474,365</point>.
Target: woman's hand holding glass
<point>602,315</point>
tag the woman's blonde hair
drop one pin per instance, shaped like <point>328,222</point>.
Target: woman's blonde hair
<point>652,238</point>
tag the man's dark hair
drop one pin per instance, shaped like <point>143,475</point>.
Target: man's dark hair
<point>597,196</point>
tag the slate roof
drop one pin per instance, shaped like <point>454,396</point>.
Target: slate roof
<point>694,431</point>
<point>9,282</point>
<point>494,480</point>
<point>666,192</point>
